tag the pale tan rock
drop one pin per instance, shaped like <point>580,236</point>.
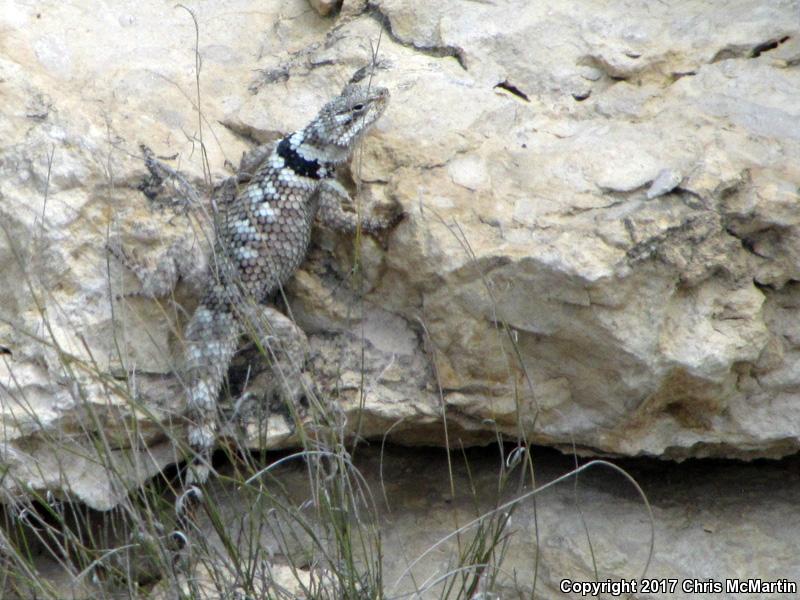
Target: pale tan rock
<point>532,282</point>
<point>220,581</point>
<point>570,530</point>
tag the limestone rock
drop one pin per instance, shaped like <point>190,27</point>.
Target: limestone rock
<point>548,277</point>
<point>220,582</point>
<point>601,522</point>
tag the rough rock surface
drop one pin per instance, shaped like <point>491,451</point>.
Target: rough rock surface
<point>697,519</point>
<point>713,521</point>
<point>601,248</point>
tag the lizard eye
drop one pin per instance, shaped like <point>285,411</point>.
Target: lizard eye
<point>358,107</point>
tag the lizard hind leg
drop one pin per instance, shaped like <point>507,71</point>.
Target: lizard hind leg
<point>278,335</point>
<point>286,349</point>
<point>212,338</point>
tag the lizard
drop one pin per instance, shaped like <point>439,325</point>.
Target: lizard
<point>263,231</point>
<point>262,237</point>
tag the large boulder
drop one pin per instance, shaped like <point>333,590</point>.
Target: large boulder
<point>601,246</point>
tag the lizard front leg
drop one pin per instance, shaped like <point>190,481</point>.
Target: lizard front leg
<point>161,173</point>
<point>331,196</point>
<point>158,278</point>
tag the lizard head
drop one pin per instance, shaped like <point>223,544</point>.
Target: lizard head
<point>343,120</point>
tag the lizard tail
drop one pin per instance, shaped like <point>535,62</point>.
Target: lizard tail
<point>212,337</point>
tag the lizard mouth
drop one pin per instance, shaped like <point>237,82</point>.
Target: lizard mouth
<point>381,97</point>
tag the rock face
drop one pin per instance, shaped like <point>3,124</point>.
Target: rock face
<point>598,531</point>
<point>713,521</point>
<point>601,247</point>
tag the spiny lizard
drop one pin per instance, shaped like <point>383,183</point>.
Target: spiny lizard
<point>263,231</point>
<point>262,237</point>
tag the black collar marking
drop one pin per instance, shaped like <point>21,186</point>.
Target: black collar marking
<point>302,166</point>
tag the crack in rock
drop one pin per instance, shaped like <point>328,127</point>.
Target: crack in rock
<point>437,51</point>
<point>512,89</point>
<point>748,50</point>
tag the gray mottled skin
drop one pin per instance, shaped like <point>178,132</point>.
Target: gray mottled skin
<point>263,233</point>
